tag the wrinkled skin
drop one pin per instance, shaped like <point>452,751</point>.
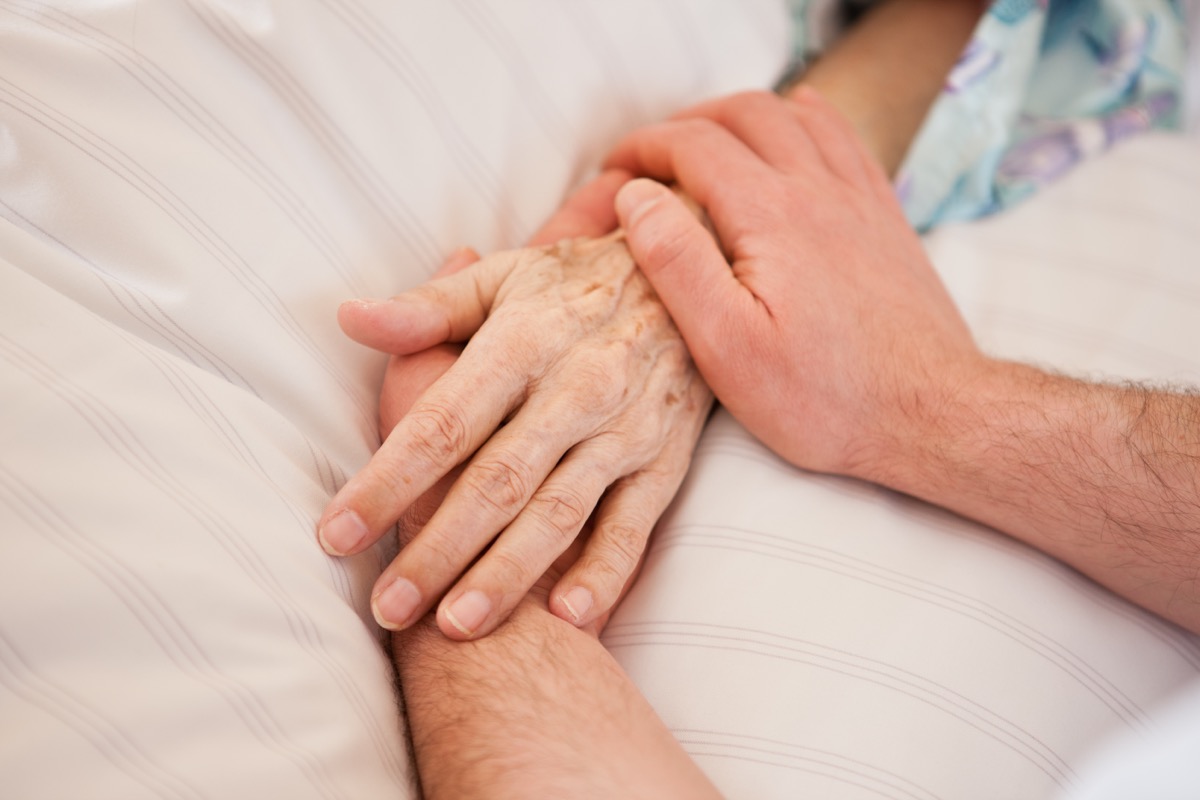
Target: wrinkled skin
<point>574,398</point>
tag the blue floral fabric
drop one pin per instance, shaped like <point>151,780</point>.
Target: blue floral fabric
<point>1041,86</point>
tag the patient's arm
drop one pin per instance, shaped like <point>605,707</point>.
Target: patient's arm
<point>573,352</point>
<point>885,74</point>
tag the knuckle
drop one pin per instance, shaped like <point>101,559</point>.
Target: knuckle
<point>598,378</point>
<point>437,558</point>
<point>620,548</point>
<point>701,129</point>
<point>440,432</point>
<point>563,511</point>
<point>663,242</point>
<point>751,102</point>
<point>502,483</point>
<point>382,489</point>
<point>644,435</point>
<point>511,571</point>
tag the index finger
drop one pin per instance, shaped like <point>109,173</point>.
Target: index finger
<point>765,122</point>
<point>450,421</point>
<point>587,212</point>
<point>707,160</point>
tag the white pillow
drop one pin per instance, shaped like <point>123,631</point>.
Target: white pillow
<point>188,191</point>
<point>809,636</point>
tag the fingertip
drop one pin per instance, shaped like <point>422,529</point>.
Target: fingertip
<point>805,93</point>
<point>406,323</point>
<point>574,605</point>
<point>587,212</point>
<point>360,305</point>
<point>636,198</point>
<point>466,616</point>
<point>395,603</point>
<point>351,314</point>
<point>384,622</point>
<point>342,533</point>
<point>459,260</point>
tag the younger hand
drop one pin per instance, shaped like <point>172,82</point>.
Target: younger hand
<point>826,327</point>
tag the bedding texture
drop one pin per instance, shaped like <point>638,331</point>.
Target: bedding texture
<point>188,188</point>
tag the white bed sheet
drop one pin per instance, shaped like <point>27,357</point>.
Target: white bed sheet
<point>187,190</point>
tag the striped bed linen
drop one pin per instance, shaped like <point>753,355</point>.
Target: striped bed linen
<point>189,188</point>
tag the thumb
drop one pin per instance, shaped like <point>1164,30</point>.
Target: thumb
<point>681,260</point>
<point>450,308</point>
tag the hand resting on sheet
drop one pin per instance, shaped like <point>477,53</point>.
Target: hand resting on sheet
<point>574,395</point>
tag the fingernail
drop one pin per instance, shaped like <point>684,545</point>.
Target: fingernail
<point>578,602</point>
<point>365,303</point>
<point>395,605</point>
<point>342,533</point>
<point>636,197</point>
<point>468,612</point>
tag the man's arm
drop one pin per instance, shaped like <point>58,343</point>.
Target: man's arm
<point>1103,477</point>
<point>832,339</point>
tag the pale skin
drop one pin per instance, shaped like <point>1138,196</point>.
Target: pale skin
<point>602,403</point>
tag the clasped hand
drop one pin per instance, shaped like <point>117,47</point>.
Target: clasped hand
<point>818,321</point>
<point>574,394</point>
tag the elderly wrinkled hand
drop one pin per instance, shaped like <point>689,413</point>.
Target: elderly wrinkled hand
<point>574,395</point>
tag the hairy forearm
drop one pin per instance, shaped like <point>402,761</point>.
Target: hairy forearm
<point>886,72</point>
<point>1103,477</point>
<point>537,709</point>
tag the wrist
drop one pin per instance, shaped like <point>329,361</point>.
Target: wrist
<point>930,436</point>
<point>1009,445</point>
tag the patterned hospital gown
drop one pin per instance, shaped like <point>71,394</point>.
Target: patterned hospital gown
<point>1041,86</point>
